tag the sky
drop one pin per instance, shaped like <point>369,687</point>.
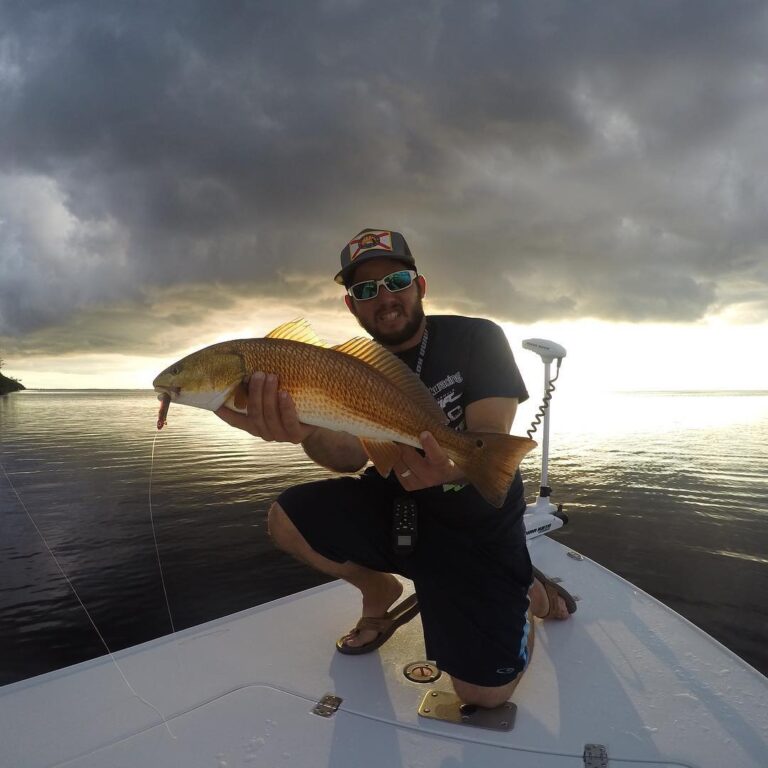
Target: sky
<point>178,173</point>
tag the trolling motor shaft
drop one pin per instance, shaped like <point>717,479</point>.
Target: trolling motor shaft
<point>542,516</point>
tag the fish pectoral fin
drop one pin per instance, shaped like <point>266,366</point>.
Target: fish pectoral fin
<point>240,397</point>
<point>383,454</point>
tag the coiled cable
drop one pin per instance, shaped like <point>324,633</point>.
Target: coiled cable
<point>545,402</point>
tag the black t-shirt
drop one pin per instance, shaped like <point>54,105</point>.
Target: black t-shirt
<point>465,359</point>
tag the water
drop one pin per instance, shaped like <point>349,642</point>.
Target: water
<point>668,490</point>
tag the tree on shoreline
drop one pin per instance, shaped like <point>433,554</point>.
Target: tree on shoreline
<point>9,384</point>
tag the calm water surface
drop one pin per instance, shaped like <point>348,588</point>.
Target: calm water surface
<point>670,490</point>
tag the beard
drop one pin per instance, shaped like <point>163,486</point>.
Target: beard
<point>397,337</point>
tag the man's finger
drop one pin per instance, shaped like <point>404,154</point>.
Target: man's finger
<point>273,424</point>
<point>434,453</point>
<point>255,390</point>
<point>255,406</point>
<point>406,477</point>
<point>410,459</point>
<point>293,427</point>
<point>233,418</point>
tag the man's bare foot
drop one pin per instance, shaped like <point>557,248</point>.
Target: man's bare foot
<point>540,605</point>
<point>377,600</point>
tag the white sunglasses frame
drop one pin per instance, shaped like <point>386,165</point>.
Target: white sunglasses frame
<point>379,283</point>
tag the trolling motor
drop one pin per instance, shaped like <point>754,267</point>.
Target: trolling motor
<point>542,516</point>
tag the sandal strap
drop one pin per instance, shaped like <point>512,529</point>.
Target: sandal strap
<point>552,596</point>
<point>377,624</point>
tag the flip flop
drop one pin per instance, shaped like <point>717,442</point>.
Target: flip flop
<point>385,625</point>
<point>553,590</point>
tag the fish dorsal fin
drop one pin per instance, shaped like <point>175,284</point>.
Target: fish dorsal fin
<point>394,369</point>
<point>297,330</point>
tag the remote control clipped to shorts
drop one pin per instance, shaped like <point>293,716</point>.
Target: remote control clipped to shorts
<point>404,524</point>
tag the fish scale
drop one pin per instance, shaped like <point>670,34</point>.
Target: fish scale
<point>336,391</point>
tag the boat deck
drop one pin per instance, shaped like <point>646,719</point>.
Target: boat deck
<point>626,673</point>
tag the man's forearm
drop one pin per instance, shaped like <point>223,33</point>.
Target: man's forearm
<point>338,451</point>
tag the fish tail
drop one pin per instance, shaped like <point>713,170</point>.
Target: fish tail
<point>489,462</point>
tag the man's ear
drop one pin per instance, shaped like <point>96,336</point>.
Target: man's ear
<point>422,283</point>
<point>350,304</point>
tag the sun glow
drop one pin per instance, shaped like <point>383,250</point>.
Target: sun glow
<point>602,356</point>
<point>711,355</point>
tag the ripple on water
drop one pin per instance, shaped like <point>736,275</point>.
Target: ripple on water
<point>670,491</point>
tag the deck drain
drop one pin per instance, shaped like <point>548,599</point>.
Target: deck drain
<point>421,672</point>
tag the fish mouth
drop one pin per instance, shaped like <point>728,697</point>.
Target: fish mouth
<point>163,392</point>
<point>209,401</point>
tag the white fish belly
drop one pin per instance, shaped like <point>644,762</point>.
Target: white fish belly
<point>208,400</point>
<point>321,411</point>
<point>327,413</point>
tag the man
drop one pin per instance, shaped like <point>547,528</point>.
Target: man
<point>470,566</point>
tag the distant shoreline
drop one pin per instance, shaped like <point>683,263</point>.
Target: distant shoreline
<point>9,385</point>
<point>618,393</point>
<point>665,392</point>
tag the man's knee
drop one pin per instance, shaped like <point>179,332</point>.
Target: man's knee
<point>483,696</point>
<point>282,531</point>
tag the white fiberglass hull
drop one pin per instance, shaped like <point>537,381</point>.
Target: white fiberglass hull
<point>626,673</point>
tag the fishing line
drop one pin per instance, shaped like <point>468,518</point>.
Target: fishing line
<point>82,604</point>
<point>154,535</point>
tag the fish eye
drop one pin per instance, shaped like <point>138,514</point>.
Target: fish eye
<point>175,370</point>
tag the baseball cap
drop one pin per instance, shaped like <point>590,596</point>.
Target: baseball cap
<point>373,244</point>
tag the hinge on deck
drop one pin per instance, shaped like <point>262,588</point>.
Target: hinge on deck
<point>595,756</point>
<point>327,706</point>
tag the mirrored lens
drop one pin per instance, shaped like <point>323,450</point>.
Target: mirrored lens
<point>398,281</point>
<point>365,290</point>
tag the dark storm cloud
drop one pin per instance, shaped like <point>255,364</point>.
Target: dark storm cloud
<point>545,160</point>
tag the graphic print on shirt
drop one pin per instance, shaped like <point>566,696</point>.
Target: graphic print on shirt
<point>446,399</point>
<point>453,413</point>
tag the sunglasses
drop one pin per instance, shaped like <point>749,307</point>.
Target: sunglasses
<point>369,289</point>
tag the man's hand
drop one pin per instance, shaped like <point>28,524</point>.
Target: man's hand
<point>271,412</point>
<point>415,471</point>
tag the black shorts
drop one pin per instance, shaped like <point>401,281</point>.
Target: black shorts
<point>470,567</point>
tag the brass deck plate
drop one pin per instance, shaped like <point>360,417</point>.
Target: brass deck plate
<point>446,706</point>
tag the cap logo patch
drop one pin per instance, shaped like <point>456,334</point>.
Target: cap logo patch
<point>367,241</point>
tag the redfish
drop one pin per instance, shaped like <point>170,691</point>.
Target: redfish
<point>356,387</point>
